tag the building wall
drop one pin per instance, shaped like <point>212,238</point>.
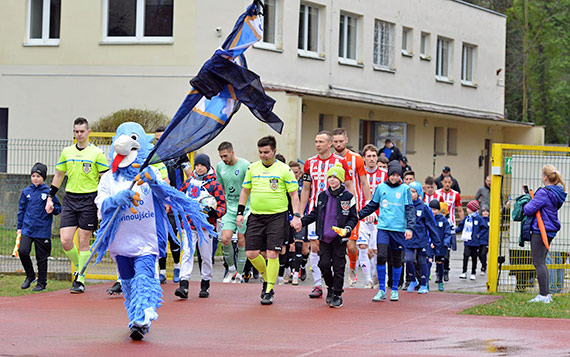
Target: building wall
<point>82,63</point>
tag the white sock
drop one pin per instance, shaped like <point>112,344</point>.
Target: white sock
<point>163,272</point>
<point>373,265</point>
<point>314,258</point>
<point>176,266</point>
<point>364,263</point>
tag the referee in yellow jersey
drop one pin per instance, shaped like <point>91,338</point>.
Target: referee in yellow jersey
<point>268,182</point>
<point>84,163</point>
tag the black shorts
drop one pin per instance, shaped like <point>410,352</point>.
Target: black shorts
<point>266,231</point>
<point>79,210</point>
<point>301,235</point>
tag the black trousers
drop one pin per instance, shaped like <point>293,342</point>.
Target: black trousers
<point>470,252</point>
<point>332,255</point>
<point>43,251</point>
<point>483,249</point>
<point>174,247</point>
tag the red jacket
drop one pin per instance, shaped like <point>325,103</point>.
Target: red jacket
<point>213,187</point>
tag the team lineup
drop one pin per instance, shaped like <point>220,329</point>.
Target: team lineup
<point>272,219</point>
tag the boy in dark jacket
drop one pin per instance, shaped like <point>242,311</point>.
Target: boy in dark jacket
<point>336,217</point>
<point>34,226</point>
<point>423,232</point>
<point>471,227</point>
<point>444,243</point>
<point>203,186</point>
<point>484,240</point>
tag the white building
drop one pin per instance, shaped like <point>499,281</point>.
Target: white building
<point>427,73</point>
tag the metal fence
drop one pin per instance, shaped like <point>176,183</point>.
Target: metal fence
<point>510,265</point>
<point>17,156</point>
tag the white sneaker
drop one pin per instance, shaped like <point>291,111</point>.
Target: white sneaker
<point>473,277</point>
<point>463,276</point>
<point>352,279</point>
<point>280,280</point>
<point>238,279</point>
<point>295,280</point>
<point>369,285</point>
<point>482,273</point>
<point>544,299</point>
<point>287,276</point>
<point>231,275</point>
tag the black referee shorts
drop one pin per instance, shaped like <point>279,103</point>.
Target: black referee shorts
<point>266,231</point>
<point>79,210</point>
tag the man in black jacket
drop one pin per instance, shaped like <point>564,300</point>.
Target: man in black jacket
<point>447,172</point>
<point>390,151</point>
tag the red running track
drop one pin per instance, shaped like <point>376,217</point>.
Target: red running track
<point>232,322</point>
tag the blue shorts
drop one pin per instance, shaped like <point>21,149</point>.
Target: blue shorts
<point>394,239</point>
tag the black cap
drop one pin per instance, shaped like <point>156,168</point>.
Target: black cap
<point>388,140</point>
<point>434,204</point>
<point>202,159</point>
<point>446,169</point>
<point>404,159</point>
<point>40,169</point>
<point>394,167</point>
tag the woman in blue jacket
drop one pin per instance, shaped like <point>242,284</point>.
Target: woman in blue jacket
<point>548,201</point>
<point>424,233</point>
<point>34,226</point>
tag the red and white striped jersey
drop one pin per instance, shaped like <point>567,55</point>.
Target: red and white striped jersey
<point>435,196</point>
<point>376,178</point>
<point>318,168</point>
<point>453,200</point>
<point>356,169</point>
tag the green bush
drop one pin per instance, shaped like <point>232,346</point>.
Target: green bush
<point>149,119</point>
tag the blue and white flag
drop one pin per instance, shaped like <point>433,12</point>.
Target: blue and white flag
<point>217,91</point>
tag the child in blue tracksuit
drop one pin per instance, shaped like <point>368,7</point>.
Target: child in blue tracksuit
<point>471,227</point>
<point>396,221</point>
<point>34,225</point>
<point>443,243</point>
<point>484,240</point>
<point>424,234</point>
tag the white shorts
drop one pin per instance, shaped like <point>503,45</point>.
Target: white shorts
<point>367,234</point>
<point>312,231</point>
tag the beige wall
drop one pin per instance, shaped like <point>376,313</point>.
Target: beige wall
<point>471,136</point>
<point>115,76</point>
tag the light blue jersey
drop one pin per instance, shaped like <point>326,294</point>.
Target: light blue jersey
<point>392,201</point>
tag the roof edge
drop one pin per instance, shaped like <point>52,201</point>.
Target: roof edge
<point>480,8</point>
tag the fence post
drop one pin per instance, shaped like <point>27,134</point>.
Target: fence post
<point>495,217</point>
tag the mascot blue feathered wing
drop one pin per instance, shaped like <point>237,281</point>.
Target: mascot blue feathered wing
<point>138,235</point>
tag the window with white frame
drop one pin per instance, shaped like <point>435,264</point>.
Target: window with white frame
<point>138,21</point>
<point>407,40</point>
<point>383,44</point>
<point>270,21</point>
<point>425,45</point>
<point>443,58</point>
<point>43,22</point>
<point>309,18</point>
<point>347,40</point>
<point>467,64</point>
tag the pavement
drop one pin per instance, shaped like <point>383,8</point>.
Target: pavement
<point>233,322</point>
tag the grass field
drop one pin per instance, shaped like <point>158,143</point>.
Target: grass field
<point>517,305</point>
<point>10,285</point>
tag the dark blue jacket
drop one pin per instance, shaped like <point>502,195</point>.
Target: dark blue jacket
<point>425,225</point>
<point>445,236</point>
<point>478,225</point>
<point>548,200</point>
<point>484,233</point>
<point>32,217</point>
<point>345,212</point>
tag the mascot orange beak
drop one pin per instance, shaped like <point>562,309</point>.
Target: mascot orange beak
<point>126,150</point>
